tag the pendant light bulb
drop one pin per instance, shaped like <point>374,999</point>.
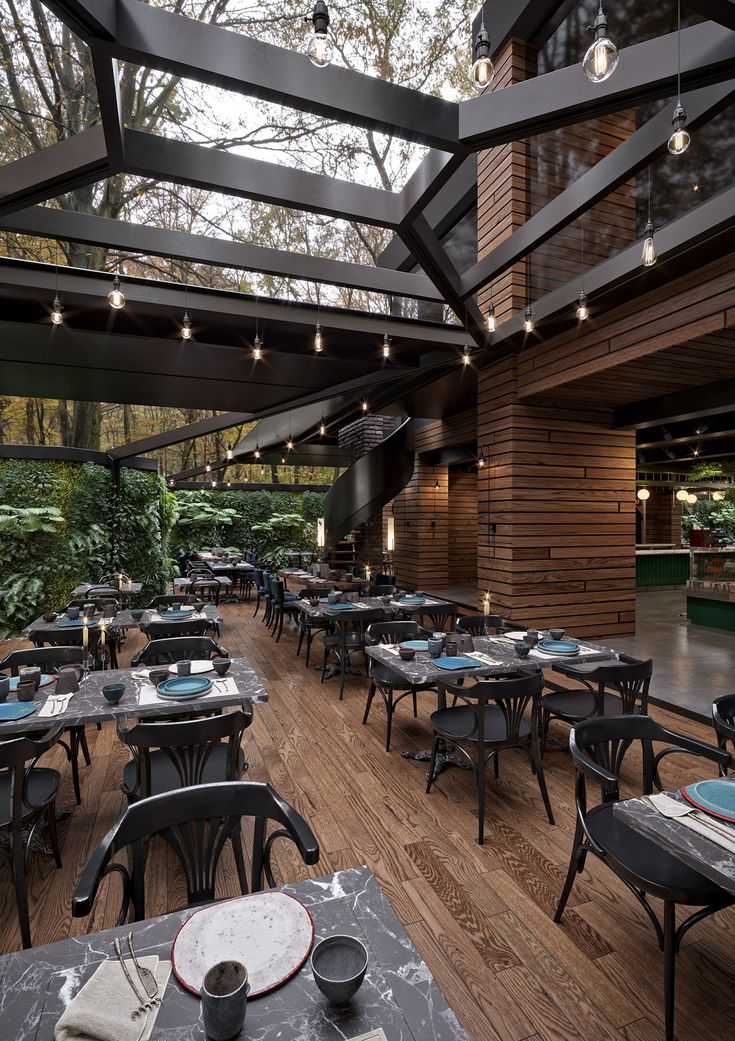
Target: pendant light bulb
<point>256,453</point>
<point>319,47</point>
<point>283,459</point>
<point>491,321</point>
<point>228,453</point>
<point>483,71</point>
<point>649,255</point>
<point>364,406</point>
<point>257,349</point>
<point>171,482</point>
<point>289,444</point>
<point>186,327</point>
<point>116,297</point>
<point>466,355</point>
<point>682,495</point>
<point>481,460</point>
<point>322,428</point>
<point>528,323</point>
<point>208,468</point>
<point>680,139</point>
<point>229,484</point>
<point>583,311</point>
<point>56,315</point>
<point>601,59</point>
<point>318,339</point>
<point>386,346</point>
<point>214,484</point>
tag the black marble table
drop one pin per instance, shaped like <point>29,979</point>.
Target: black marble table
<point>399,993</point>
<point>127,589</point>
<point>89,705</point>
<point>39,623</point>
<point>711,860</point>
<point>124,618</point>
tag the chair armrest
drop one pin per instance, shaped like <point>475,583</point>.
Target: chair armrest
<point>96,868</point>
<point>607,780</point>
<point>684,745</point>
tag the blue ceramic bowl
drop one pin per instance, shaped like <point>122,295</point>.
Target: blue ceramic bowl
<point>112,692</point>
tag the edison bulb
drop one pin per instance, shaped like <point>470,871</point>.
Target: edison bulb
<point>56,316</point>
<point>601,60</point>
<point>116,297</point>
<point>256,453</point>
<point>491,321</point>
<point>680,139</point>
<point>257,349</point>
<point>483,73</point>
<point>583,311</point>
<point>528,324</point>
<point>318,339</point>
<point>386,346</point>
<point>322,429</point>
<point>466,356</point>
<point>320,49</point>
<point>649,255</point>
<point>186,328</point>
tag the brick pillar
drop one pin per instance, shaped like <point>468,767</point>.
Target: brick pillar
<point>421,513</point>
<point>360,437</point>
<point>556,511</point>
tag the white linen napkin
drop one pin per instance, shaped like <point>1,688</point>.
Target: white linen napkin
<point>51,706</point>
<point>102,1010</point>
<point>717,831</point>
<point>484,658</point>
<point>372,1035</point>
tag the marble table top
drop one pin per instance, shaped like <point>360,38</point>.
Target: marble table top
<point>370,603</point>
<point>399,993</point>
<point>89,705</point>
<point>421,669</point>
<point>706,857</point>
<point>122,620</point>
<point>184,583</point>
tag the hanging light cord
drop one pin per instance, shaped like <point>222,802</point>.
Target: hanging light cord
<point>649,194</point>
<point>678,52</point>
<point>581,279</point>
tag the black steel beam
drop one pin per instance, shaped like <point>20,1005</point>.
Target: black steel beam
<point>107,79</point>
<point>146,240</point>
<point>690,437</point>
<point>431,255</point>
<point>148,155</point>
<point>202,486</point>
<point>692,403</point>
<point>87,18</point>
<point>211,425</point>
<point>531,21</point>
<point>647,71</point>
<point>149,36</point>
<point>70,455</point>
<point>720,11</point>
<point>698,237</point>
<point>627,159</point>
<point>75,161</point>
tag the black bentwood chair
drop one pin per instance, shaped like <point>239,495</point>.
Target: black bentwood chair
<point>310,625</point>
<point>492,719</point>
<point>598,747</point>
<point>475,624</point>
<point>180,754</point>
<point>385,680</point>
<point>196,823</point>
<point>723,720</point>
<point>27,804</point>
<point>179,648</point>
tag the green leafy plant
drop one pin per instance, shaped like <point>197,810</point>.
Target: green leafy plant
<point>283,532</point>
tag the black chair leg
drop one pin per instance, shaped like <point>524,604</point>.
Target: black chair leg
<point>390,709</point>
<point>53,832</point>
<point>415,706</point>
<point>368,704</point>
<point>301,640</point>
<point>669,967</point>
<point>480,772</point>
<point>84,746</point>
<point>309,638</point>
<point>324,663</point>
<point>539,771</point>
<point>576,863</point>
<point>21,892</point>
<point>74,743</point>
<point>432,765</point>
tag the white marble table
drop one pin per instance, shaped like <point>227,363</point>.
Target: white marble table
<point>399,993</point>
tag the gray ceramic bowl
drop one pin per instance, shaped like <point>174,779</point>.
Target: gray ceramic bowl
<point>407,653</point>
<point>50,616</point>
<point>137,614</point>
<point>339,964</point>
<point>112,692</point>
<point>557,634</point>
<point>221,665</point>
<point>522,649</point>
<point>157,676</point>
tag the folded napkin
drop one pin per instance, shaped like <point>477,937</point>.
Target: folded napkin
<point>102,1010</point>
<point>55,705</point>
<point>720,832</point>
<point>226,687</point>
<point>372,1035</point>
<point>484,658</point>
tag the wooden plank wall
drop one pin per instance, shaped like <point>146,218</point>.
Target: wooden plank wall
<point>663,516</point>
<point>559,487</point>
<point>462,527</point>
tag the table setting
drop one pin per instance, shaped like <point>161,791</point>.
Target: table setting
<point>325,958</point>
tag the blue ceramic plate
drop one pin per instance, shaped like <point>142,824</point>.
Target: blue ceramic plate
<point>413,600</point>
<point>182,688</point>
<point>559,646</point>
<point>17,710</point>
<point>341,607</point>
<point>176,616</point>
<point>45,680</point>
<point>75,623</point>
<point>456,663</point>
<point>715,797</point>
<point>416,645</point>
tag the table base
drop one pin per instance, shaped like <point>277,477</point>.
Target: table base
<point>444,759</point>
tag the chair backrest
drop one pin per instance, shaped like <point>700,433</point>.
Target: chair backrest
<point>512,696</point>
<point>598,747</point>
<point>395,632</point>
<point>47,657</point>
<point>723,718</point>
<point>167,599</point>
<point>72,637</point>
<point>441,617</point>
<point>102,592</point>
<point>187,744</point>
<point>475,624</point>
<point>382,590</point>
<point>178,648</point>
<point>196,823</point>
<point>15,753</point>
<point>258,578</point>
<point>198,568</point>
<point>163,630</point>
<point>205,585</point>
<point>630,677</point>
<point>99,602</point>
<point>278,591</point>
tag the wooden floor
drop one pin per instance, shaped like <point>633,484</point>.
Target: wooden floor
<point>481,917</point>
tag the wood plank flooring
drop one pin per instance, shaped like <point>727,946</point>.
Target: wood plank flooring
<point>480,916</point>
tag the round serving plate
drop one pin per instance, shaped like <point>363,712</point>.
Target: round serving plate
<point>516,637</point>
<point>451,663</point>
<point>559,646</point>
<point>184,688</point>
<point>197,668</point>
<point>270,933</point>
<point>714,796</point>
<point>416,645</point>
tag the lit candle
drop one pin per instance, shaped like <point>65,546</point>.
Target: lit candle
<point>130,585</point>
<point>367,572</point>
<point>85,633</point>
<point>486,605</point>
<point>102,635</point>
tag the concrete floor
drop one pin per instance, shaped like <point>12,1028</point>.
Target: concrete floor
<point>693,664</point>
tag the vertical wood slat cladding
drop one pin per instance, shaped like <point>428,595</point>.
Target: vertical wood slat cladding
<point>503,200</point>
<point>559,486</point>
<point>421,555</point>
<point>462,527</point>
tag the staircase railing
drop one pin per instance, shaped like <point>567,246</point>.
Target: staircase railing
<point>370,483</point>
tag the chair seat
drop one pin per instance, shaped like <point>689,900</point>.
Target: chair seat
<point>647,860</point>
<point>579,704</point>
<point>42,788</point>
<point>457,722</point>
<point>165,778</point>
<point>384,676</point>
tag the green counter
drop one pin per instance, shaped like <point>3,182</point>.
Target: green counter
<point>717,614</point>
<point>661,569</point>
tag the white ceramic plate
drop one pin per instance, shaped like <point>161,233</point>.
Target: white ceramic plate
<point>197,667</point>
<point>270,933</point>
<point>514,636</point>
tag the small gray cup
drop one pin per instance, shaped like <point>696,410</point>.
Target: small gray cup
<point>183,668</point>
<point>339,964</point>
<point>4,688</point>
<point>224,1000</point>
